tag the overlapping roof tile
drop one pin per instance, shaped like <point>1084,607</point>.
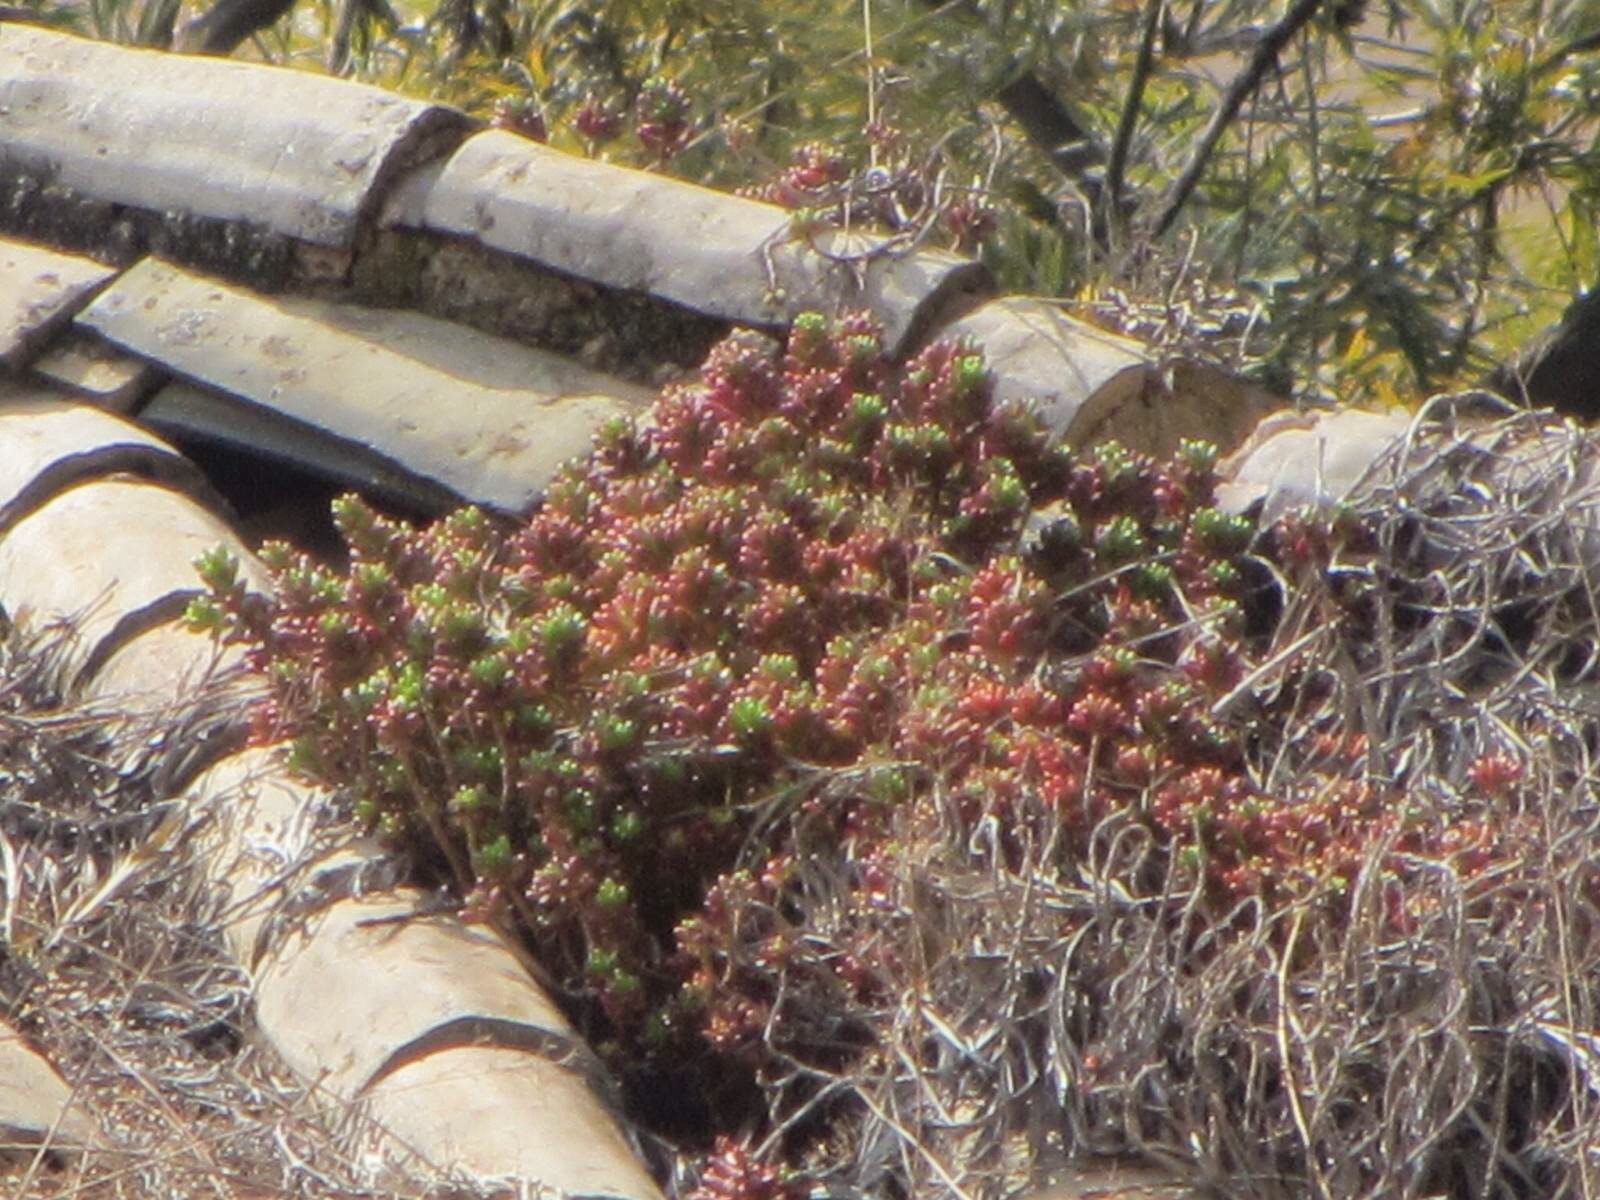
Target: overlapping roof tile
<point>732,258</point>
<point>398,402</point>
<point>288,152</point>
<point>306,272</point>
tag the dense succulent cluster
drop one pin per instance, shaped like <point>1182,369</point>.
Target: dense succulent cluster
<point>724,726</point>
<point>794,600</point>
<point>896,190</point>
<point>732,1172</point>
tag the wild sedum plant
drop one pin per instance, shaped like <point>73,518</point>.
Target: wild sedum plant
<point>918,797</point>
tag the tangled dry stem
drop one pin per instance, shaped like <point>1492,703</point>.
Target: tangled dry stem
<point>113,966</point>
<point>1424,1029</point>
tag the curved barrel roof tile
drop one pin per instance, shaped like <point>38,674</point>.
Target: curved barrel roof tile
<point>295,154</point>
<point>44,289</point>
<point>726,256</point>
<point>388,234</point>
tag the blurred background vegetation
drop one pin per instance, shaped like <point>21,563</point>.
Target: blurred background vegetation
<point>1357,199</point>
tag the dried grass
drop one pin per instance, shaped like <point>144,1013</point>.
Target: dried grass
<point>1320,1048</point>
<point>112,965</point>
<point>1312,1049</point>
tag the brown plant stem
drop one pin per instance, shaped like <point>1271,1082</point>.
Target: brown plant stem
<point>221,28</point>
<point>1118,164</point>
<point>1265,53</point>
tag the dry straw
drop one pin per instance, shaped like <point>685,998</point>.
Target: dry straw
<point>1422,1029</point>
<point>112,965</point>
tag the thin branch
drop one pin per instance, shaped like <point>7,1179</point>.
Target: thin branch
<point>868,54</point>
<point>1130,112</point>
<point>226,24</point>
<point>935,9</point>
<point>1314,145</point>
<point>1559,56</point>
<point>343,30</point>
<point>1266,52</point>
<point>1047,123</point>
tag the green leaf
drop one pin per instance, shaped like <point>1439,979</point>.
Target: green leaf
<point>1583,245</point>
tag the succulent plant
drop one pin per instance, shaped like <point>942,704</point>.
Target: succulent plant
<point>894,191</point>
<point>718,725</point>
<point>597,120</point>
<point>521,115</point>
<point>661,118</point>
<point>751,650</point>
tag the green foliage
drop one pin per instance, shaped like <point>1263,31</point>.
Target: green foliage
<point>772,617</point>
<point>1403,194</point>
<point>795,698</point>
<point>1396,195</point>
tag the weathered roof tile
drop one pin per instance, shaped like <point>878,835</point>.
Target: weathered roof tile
<point>87,557</point>
<point>49,443</point>
<point>1314,458</point>
<point>1039,354</point>
<point>36,1105</point>
<point>425,412</point>
<point>89,367</point>
<point>1091,386</point>
<point>381,1003</point>
<point>301,155</point>
<point>40,289</point>
<point>168,666</point>
<point>726,256</point>
<point>452,1103</point>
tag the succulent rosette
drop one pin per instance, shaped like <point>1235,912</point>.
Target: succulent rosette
<point>819,610</point>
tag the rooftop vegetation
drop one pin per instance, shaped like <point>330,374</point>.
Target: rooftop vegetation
<point>898,799</point>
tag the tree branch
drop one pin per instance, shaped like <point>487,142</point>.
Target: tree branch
<point>1267,49</point>
<point>1558,58</point>
<point>1130,112</point>
<point>228,22</point>
<point>1048,125</point>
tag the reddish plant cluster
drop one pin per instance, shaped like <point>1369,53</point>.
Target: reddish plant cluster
<point>814,593</point>
<point>1469,817</point>
<point>894,191</point>
<point>661,119</point>
<point>520,115</point>
<point>731,1172</point>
